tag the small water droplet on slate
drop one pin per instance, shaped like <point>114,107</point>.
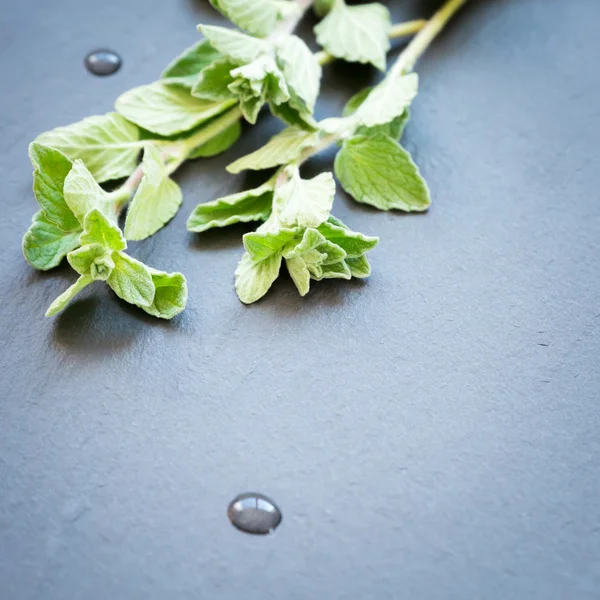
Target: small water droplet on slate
<point>102,62</point>
<point>254,513</point>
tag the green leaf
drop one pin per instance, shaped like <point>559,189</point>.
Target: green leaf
<point>109,145</point>
<point>281,149</point>
<point>61,302</point>
<point>305,202</point>
<point>94,260</point>
<point>356,33</point>
<point>260,244</point>
<point>251,205</point>
<point>131,280</point>
<point>257,17</point>
<point>388,100</point>
<point>170,294</point>
<point>253,279</point>
<point>338,270</point>
<point>185,69</point>
<point>98,229</point>
<point>83,194</point>
<point>299,273</point>
<point>378,171</point>
<point>293,115</point>
<point>256,82</point>
<point>45,245</point>
<point>322,7</point>
<point>219,144</point>
<point>156,200</point>
<point>354,244</point>
<point>237,46</point>
<point>213,82</point>
<point>394,129</point>
<point>359,267</point>
<point>301,70</point>
<point>166,109</point>
<point>51,168</point>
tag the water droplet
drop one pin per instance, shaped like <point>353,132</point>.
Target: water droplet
<point>102,62</point>
<point>254,513</point>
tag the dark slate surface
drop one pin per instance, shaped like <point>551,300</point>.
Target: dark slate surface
<point>431,433</point>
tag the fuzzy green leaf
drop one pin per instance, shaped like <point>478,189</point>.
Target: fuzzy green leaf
<point>281,149</point>
<point>51,168</point>
<point>166,109</point>
<point>213,82</point>
<point>45,245</point>
<point>305,202</point>
<point>131,280</point>
<point>83,194</point>
<point>301,70</point>
<point>220,143</point>
<point>356,33</point>
<point>387,101</point>
<point>257,17</point>
<point>98,229</point>
<point>378,171</point>
<point>156,200</point>
<point>354,244</point>
<point>237,46</point>
<point>293,114</point>
<point>186,68</point>
<point>170,294</point>
<point>61,302</point>
<point>94,260</point>
<point>262,244</point>
<point>253,279</point>
<point>394,129</point>
<point>359,266</point>
<point>251,205</point>
<point>109,145</point>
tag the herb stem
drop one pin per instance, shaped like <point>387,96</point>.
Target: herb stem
<point>406,61</point>
<point>397,31</point>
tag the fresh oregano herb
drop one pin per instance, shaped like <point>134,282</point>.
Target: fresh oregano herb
<point>194,110</point>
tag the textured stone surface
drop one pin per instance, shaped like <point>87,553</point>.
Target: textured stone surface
<point>430,433</point>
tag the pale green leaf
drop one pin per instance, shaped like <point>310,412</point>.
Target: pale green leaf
<point>109,145</point>
<point>219,144</point>
<point>98,229</point>
<point>388,100</point>
<point>251,205</point>
<point>337,270</point>
<point>156,200</point>
<point>299,273</point>
<point>131,280</point>
<point>354,244</point>
<point>394,129</point>
<point>185,69</point>
<point>234,45</point>
<point>356,33</point>
<point>322,7</point>
<point>213,82</point>
<point>257,17</point>
<point>359,266</point>
<point>301,70</point>
<point>51,168</point>
<point>61,302</point>
<point>253,279</point>
<point>305,202</point>
<point>82,192</point>
<point>167,109</point>
<point>45,245</point>
<point>378,171</point>
<point>281,149</point>
<point>94,260</point>
<point>293,115</point>
<point>170,295</point>
<point>260,245</point>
